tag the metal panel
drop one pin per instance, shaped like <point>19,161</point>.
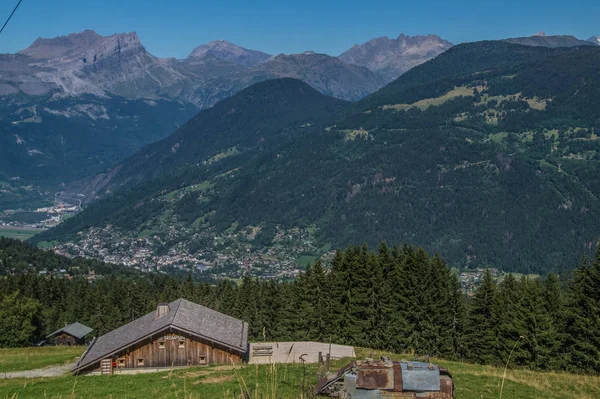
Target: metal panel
<point>420,377</point>
<point>352,392</point>
<point>398,377</point>
<point>327,381</point>
<point>375,378</point>
<point>397,395</point>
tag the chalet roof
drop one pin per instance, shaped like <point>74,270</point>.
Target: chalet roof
<point>183,315</point>
<point>76,329</point>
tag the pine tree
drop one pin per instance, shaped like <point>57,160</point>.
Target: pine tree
<point>482,332</point>
<point>319,329</point>
<point>19,320</point>
<point>270,303</point>
<point>398,328</point>
<point>583,319</point>
<point>554,305</point>
<point>539,335</point>
<point>287,322</point>
<point>457,314</point>
<point>379,296</point>
<point>440,315</point>
<point>341,295</point>
<point>420,302</point>
<point>509,317</point>
<point>359,310</point>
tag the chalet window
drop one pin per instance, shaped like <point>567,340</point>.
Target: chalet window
<point>121,362</point>
<point>181,343</point>
<point>202,360</point>
<point>140,362</point>
<point>161,344</point>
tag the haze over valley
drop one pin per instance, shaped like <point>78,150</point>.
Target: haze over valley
<point>238,199</point>
<point>197,196</point>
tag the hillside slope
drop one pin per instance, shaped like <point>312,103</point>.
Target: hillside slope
<point>259,117</point>
<point>483,154</point>
<point>75,105</point>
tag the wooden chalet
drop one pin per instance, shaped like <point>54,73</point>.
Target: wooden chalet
<point>180,333</point>
<point>71,334</point>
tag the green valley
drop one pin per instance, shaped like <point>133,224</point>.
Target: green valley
<point>483,154</point>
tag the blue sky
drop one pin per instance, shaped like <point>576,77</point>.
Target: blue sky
<point>174,28</point>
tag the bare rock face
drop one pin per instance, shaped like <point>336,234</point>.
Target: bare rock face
<point>327,74</point>
<point>88,63</point>
<point>392,57</point>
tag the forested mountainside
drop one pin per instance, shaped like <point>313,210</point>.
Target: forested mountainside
<point>262,116</point>
<point>18,258</point>
<point>73,106</point>
<point>45,144</point>
<point>399,299</point>
<point>483,154</point>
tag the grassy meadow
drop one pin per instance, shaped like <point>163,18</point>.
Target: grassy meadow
<point>269,382</point>
<point>21,359</point>
<point>19,233</point>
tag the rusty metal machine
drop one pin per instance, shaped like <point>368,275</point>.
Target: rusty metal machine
<point>381,379</point>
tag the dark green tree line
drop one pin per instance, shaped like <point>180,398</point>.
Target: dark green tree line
<point>398,299</point>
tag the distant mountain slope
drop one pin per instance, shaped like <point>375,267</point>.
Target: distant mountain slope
<point>87,63</point>
<point>227,51</point>
<point>392,57</point>
<point>487,154</point>
<point>259,117</point>
<point>327,74</point>
<point>549,41</point>
<point>595,40</point>
<point>60,95</point>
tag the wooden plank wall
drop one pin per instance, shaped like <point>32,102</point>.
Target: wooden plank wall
<point>176,350</point>
<point>65,339</point>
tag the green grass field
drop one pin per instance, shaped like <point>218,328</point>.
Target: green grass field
<point>306,260</point>
<point>34,358</point>
<point>19,233</point>
<point>271,382</point>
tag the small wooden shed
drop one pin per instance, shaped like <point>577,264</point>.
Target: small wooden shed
<point>180,333</point>
<point>71,334</point>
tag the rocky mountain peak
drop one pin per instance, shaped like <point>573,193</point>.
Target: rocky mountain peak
<point>227,51</point>
<point>595,40</point>
<point>76,49</point>
<point>392,57</point>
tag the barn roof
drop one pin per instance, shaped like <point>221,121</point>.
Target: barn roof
<point>183,315</point>
<point>76,329</point>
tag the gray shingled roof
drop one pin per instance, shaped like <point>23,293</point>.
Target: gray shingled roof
<point>183,315</point>
<point>76,329</point>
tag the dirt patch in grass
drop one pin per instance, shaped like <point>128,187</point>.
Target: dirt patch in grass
<point>214,380</point>
<point>199,373</point>
<point>227,367</point>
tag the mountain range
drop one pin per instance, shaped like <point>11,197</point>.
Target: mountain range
<point>392,57</point>
<point>483,154</point>
<point>74,105</point>
<point>543,40</point>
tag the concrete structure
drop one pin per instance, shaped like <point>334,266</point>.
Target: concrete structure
<point>290,352</point>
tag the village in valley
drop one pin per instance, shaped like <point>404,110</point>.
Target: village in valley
<point>228,255</point>
<point>231,254</point>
